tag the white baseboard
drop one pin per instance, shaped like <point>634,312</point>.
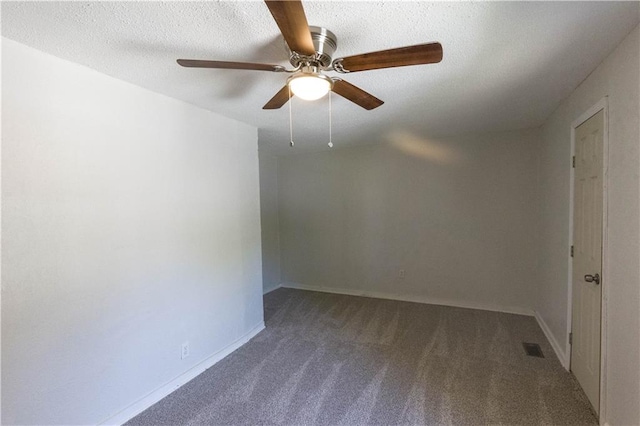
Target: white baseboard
<point>271,289</point>
<point>147,401</point>
<point>562,355</point>
<point>416,299</point>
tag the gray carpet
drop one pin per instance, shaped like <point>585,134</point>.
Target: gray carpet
<point>328,359</point>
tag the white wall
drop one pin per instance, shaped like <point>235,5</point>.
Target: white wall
<point>269,221</point>
<point>458,215</point>
<point>618,78</point>
<point>130,225</point>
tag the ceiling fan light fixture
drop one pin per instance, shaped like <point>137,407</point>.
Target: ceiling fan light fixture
<point>310,86</point>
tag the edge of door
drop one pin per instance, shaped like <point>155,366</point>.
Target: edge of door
<point>601,105</point>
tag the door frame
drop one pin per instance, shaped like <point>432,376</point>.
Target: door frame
<point>601,105</point>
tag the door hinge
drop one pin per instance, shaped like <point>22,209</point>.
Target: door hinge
<point>573,162</point>
<point>571,251</point>
<point>570,338</point>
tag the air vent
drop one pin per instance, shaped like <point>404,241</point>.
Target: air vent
<point>533,349</point>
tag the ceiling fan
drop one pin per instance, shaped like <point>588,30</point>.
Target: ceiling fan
<point>310,53</point>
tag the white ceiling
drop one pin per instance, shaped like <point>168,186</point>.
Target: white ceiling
<point>507,65</point>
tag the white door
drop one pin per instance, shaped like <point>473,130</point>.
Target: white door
<point>587,258</point>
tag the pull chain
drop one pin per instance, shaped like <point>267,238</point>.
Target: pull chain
<point>330,143</point>
<point>290,119</point>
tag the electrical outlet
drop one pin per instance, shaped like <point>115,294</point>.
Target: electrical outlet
<point>401,273</point>
<point>185,350</point>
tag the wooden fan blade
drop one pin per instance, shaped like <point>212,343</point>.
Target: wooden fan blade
<point>356,95</point>
<point>429,53</point>
<point>195,63</point>
<point>281,98</point>
<point>290,17</point>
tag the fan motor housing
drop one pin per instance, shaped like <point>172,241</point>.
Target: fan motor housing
<point>325,43</point>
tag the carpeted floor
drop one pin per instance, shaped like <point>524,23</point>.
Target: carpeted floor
<point>328,359</point>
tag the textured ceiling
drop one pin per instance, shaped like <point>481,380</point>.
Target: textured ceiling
<point>507,65</point>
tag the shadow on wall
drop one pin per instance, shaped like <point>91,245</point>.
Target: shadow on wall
<point>417,147</point>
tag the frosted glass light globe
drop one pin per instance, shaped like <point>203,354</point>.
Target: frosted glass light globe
<point>310,86</point>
